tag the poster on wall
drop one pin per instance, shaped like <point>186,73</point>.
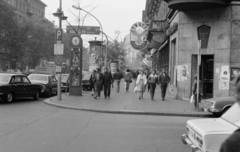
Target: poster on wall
<point>223,85</point>
<point>182,73</point>
<point>225,74</point>
<point>224,78</point>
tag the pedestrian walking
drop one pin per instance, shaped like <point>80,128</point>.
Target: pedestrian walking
<point>194,91</point>
<point>107,82</point>
<point>92,80</point>
<point>163,81</point>
<point>98,83</point>
<point>152,82</point>
<point>117,77</point>
<point>141,84</point>
<point>147,75</point>
<point>128,79</point>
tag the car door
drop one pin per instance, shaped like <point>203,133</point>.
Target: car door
<point>29,89</point>
<point>54,84</point>
<point>19,88</point>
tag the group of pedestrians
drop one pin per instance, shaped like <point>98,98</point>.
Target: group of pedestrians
<point>145,80</point>
<point>101,81</point>
<point>150,81</point>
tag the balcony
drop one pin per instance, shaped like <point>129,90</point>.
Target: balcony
<point>188,5</point>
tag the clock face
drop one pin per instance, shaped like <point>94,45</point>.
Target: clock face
<point>75,41</point>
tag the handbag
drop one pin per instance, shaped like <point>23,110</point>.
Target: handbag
<point>135,89</point>
<point>192,99</point>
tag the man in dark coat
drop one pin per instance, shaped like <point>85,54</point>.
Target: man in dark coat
<point>98,83</point>
<point>117,77</point>
<point>163,80</point>
<point>107,81</point>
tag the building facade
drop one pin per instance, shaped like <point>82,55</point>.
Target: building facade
<point>25,10</point>
<point>175,30</point>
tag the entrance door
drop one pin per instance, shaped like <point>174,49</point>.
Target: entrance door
<point>206,75</point>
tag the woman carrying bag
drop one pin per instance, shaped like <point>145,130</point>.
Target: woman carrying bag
<point>141,84</point>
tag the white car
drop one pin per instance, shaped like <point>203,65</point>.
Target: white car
<point>207,135</point>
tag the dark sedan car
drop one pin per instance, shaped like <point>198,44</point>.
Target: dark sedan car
<point>14,86</point>
<point>218,106</point>
<point>48,82</point>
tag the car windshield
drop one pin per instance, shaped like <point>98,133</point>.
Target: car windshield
<point>64,77</point>
<point>5,78</point>
<point>38,78</point>
<point>233,115</point>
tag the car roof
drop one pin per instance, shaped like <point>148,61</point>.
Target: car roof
<point>41,74</point>
<point>12,74</point>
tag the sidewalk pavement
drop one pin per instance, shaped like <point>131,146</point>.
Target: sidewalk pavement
<point>128,103</point>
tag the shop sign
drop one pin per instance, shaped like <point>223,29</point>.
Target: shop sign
<point>203,35</point>
<point>138,35</point>
<point>172,29</point>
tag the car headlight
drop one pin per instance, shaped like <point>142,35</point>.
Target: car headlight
<point>43,88</point>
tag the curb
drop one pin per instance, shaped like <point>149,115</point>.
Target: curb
<point>135,112</point>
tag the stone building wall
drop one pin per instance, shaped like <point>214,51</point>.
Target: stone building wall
<point>224,43</point>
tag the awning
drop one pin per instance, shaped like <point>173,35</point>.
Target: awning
<point>163,44</point>
<point>154,44</point>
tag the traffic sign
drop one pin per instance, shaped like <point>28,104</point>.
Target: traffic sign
<point>58,49</point>
<point>58,69</point>
<point>59,33</point>
<point>76,41</point>
<point>92,30</point>
<point>58,59</point>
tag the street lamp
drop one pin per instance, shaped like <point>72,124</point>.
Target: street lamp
<point>78,8</point>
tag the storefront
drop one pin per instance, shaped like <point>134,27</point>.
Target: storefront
<point>218,29</point>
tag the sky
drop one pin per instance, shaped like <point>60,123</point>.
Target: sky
<point>114,15</point>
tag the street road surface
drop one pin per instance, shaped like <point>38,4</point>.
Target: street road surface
<point>32,126</point>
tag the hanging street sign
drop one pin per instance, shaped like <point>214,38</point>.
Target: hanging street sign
<point>138,35</point>
<point>58,59</point>
<point>91,30</point>
<point>58,49</point>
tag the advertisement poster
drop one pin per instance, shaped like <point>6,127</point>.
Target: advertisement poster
<point>182,73</point>
<point>225,74</point>
<point>113,67</point>
<point>224,78</point>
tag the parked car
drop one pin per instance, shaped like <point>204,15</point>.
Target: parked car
<point>48,82</point>
<point>218,106</point>
<point>65,82</point>
<point>207,135</point>
<point>14,86</point>
<point>86,81</point>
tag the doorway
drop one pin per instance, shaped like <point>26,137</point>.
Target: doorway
<point>206,73</point>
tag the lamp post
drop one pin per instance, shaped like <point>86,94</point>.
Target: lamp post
<point>78,8</point>
<point>61,17</point>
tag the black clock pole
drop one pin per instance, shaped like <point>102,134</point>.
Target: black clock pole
<point>75,85</point>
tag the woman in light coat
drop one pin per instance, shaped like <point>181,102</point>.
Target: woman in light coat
<point>141,84</point>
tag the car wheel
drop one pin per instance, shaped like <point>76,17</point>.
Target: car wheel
<point>9,97</point>
<point>36,96</point>
<point>216,114</point>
